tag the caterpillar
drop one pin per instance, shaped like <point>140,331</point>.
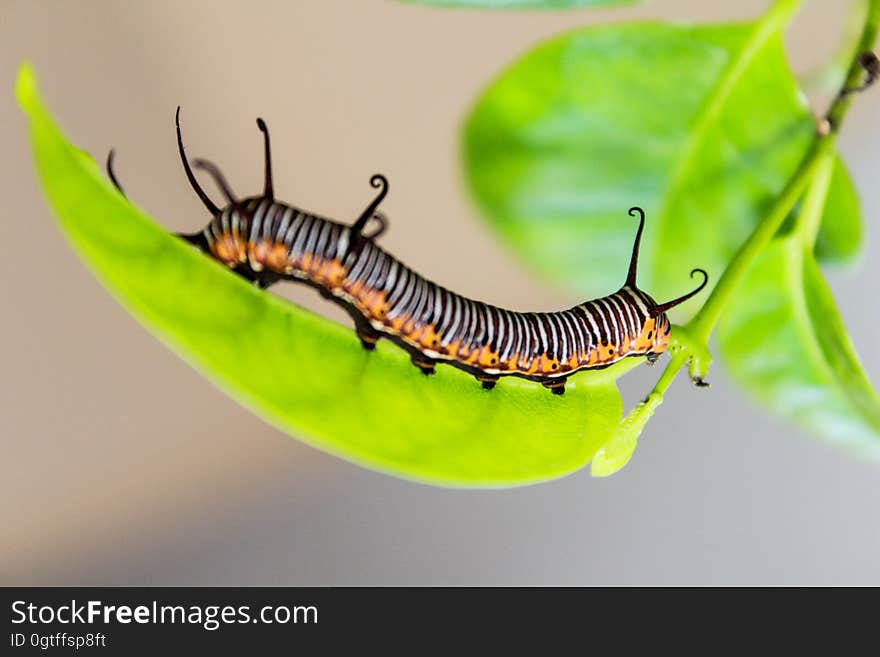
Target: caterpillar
<point>266,241</point>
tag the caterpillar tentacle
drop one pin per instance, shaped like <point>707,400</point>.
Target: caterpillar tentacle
<point>206,201</point>
<point>378,181</point>
<point>268,189</point>
<point>112,175</point>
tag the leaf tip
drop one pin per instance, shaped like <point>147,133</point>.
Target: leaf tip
<point>617,452</point>
<point>605,464</point>
<point>25,85</point>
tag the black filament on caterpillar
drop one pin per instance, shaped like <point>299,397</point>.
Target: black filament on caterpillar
<point>266,241</point>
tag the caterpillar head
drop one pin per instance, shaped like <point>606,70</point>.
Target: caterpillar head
<point>653,337</point>
<point>655,332</point>
<point>658,335</point>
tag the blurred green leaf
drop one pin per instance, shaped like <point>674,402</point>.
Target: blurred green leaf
<point>700,125</point>
<point>840,238</point>
<point>522,4</point>
<point>783,340</point>
<point>305,374</point>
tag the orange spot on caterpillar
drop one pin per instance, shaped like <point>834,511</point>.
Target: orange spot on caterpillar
<point>468,356</point>
<point>372,304</point>
<point>228,249</point>
<point>487,357</point>
<point>452,348</point>
<point>429,339</point>
<point>276,257</point>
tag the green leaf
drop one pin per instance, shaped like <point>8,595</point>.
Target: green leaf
<point>840,238</point>
<point>783,340</point>
<point>305,374</point>
<point>700,125</point>
<point>522,4</point>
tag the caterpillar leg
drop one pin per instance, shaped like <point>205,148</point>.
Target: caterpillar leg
<point>248,274</point>
<point>365,332</point>
<point>425,364</point>
<point>556,386</point>
<point>196,239</point>
<point>652,358</point>
<point>266,279</point>
<point>262,279</point>
<point>488,380</point>
<point>368,337</point>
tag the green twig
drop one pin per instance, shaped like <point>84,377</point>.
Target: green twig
<point>810,217</point>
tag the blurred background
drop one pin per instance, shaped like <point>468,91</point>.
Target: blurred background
<point>121,466</point>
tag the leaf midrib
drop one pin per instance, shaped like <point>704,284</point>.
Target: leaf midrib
<point>709,112</point>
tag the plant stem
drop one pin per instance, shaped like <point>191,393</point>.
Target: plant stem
<point>704,321</point>
<point>678,361</point>
<point>809,219</point>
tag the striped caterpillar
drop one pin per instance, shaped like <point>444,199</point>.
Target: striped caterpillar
<point>266,241</point>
